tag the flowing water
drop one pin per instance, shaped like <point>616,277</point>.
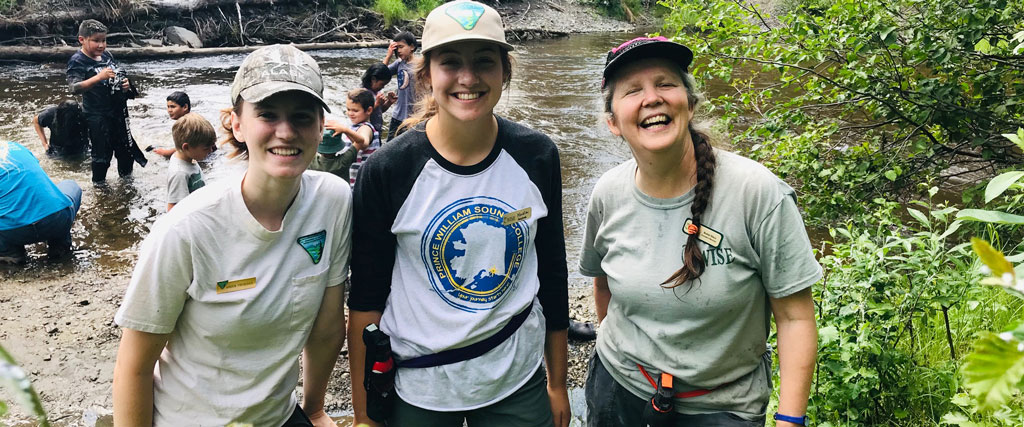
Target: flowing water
<point>555,89</point>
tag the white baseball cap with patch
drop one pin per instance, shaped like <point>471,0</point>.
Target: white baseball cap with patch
<point>463,21</point>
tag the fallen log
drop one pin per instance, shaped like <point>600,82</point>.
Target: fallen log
<point>61,54</point>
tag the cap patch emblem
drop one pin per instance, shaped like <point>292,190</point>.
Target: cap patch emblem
<point>314,244</point>
<point>466,14</point>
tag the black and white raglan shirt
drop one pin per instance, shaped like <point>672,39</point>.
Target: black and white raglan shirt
<point>450,253</point>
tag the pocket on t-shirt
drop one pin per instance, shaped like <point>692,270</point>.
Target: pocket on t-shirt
<point>306,293</point>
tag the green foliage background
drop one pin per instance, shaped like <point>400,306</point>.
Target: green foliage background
<point>866,105</point>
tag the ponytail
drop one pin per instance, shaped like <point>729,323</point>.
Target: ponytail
<point>693,259</point>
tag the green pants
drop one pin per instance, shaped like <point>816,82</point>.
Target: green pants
<point>527,407</point>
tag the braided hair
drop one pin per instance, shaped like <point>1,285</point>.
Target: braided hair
<point>693,259</point>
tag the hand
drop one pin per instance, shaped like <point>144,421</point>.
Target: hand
<point>320,419</point>
<point>335,126</point>
<point>126,85</point>
<point>392,96</point>
<point>393,49</point>
<point>560,411</point>
<point>107,73</point>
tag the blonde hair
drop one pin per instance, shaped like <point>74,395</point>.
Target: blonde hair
<point>427,105</point>
<point>194,130</point>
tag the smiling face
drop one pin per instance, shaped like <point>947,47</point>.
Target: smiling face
<point>176,111</point>
<point>466,79</point>
<point>650,106</point>
<point>94,45</point>
<point>356,113</point>
<point>280,133</point>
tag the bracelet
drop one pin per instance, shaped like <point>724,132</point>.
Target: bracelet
<point>790,419</point>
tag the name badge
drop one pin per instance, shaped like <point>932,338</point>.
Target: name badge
<point>226,286</point>
<point>516,216</point>
<point>705,234</point>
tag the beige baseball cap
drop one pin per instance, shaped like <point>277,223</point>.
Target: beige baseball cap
<point>463,21</point>
<point>277,68</point>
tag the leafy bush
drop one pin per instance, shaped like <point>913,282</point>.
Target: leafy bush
<point>391,10</point>
<point>858,98</point>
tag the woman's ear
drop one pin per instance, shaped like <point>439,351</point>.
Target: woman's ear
<point>236,127</point>
<point>610,119</point>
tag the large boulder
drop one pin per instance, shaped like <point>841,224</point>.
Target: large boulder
<point>182,37</point>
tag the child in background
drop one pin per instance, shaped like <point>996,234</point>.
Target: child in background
<point>403,46</point>
<point>362,135</point>
<point>94,74</point>
<point>178,105</point>
<point>69,135</point>
<point>374,79</point>
<point>194,138</point>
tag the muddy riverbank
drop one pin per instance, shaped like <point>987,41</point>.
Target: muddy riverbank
<point>59,325</point>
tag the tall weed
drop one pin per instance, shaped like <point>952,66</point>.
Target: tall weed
<point>391,10</point>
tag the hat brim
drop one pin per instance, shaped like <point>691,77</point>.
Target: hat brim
<point>465,38</point>
<point>261,91</point>
<point>671,51</point>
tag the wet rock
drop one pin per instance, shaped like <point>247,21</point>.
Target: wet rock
<point>182,37</point>
<point>152,42</point>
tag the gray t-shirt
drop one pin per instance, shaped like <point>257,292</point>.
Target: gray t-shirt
<point>183,177</point>
<point>406,90</point>
<point>707,334</point>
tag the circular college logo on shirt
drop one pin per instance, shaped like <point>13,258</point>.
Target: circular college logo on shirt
<point>472,256</point>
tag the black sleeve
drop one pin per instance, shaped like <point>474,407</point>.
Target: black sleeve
<point>47,116</point>
<point>77,72</point>
<point>384,182</point>
<point>537,154</point>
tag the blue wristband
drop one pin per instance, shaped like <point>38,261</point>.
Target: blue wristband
<point>795,420</point>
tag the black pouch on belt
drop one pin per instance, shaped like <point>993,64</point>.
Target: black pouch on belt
<point>378,374</point>
<point>660,409</point>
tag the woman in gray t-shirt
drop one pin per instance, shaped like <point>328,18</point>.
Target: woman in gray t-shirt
<point>692,250</point>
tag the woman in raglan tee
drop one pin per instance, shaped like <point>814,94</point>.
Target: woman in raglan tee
<point>459,228</point>
<point>693,250</point>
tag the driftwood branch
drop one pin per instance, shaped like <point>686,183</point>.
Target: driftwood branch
<point>28,53</point>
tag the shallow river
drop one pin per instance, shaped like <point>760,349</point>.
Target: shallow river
<point>555,89</point>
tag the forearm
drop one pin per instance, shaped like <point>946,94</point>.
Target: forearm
<point>358,140</point>
<point>81,87</point>
<point>356,354</point>
<point>556,357</point>
<point>39,131</point>
<point>798,347</point>
<point>318,360</point>
<point>602,295</point>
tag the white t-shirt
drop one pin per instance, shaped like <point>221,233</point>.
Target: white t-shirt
<point>183,177</point>
<point>239,301</point>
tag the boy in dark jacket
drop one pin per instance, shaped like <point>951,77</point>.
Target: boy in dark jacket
<point>93,73</point>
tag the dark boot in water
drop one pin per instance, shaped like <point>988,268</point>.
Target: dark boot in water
<point>582,331</point>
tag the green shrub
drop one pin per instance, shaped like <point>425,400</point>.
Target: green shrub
<point>391,10</point>
<point>423,7</point>
<point>857,99</point>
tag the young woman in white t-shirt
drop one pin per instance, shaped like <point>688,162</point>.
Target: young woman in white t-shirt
<point>239,279</point>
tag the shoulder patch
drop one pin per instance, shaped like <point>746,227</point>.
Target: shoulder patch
<point>314,244</point>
